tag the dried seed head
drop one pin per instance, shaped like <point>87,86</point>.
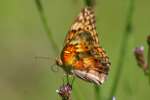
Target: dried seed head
<point>139,55</point>
<point>65,91</point>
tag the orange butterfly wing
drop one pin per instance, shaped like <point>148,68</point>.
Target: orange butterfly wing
<point>81,54</point>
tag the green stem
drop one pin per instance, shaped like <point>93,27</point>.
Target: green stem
<point>127,32</point>
<point>148,59</point>
<point>149,63</point>
<point>45,24</point>
<point>89,3</point>
<point>97,92</point>
<point>77,93</point>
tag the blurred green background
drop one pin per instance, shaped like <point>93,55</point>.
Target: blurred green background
<point>22,37</point>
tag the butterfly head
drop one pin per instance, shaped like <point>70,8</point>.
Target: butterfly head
<point>67,68</point>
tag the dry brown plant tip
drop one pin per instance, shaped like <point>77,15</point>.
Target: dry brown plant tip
<point>139,55</point>
<point>65,91</point>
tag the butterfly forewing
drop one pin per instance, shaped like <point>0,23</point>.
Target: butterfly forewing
<point>85,22</point>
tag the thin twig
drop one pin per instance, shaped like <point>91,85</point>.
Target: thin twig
<point>148,62</point>
<point>89,3</point>
<point>148,57</point>
<point>97,92</point>
<point>45,24</point>
<point>127,32</point>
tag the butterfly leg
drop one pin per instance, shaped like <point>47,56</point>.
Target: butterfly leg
<point>68,79</point>
<point>73,79</point>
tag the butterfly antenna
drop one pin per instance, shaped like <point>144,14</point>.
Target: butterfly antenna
<point>54,66</point>
<point>42,57</point>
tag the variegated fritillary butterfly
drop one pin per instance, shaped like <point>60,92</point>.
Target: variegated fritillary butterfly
<point>82,56</point>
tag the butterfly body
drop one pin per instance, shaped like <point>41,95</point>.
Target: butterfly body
<point>82,55</point>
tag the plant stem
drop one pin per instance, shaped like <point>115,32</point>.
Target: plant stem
<point>45,24</point>
<point>89,3</point>
<point>127,32</point>
<point>77,93</point>
<point>97,92</point>
<point>148,57</point>
<point>148,60</point>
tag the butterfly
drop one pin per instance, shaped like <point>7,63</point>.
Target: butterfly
<point>82,56</point>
